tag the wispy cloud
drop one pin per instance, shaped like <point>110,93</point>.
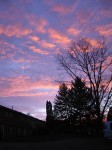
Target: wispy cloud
<point>105,30</point>
<point>73,31</point>
<point>14,30</point>
<point>46,44</point>
<point>24,86</point>
<point>37,50</point>
<point>32,32</point>
<point>61,9</point>
<point>38,23</point>
<point>57,37</point>
<point>34,38</point>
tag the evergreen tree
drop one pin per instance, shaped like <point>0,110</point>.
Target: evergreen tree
<point>74,105</point>
<point>93,62</point>
<point>81,100</point>
<point>62,103</point>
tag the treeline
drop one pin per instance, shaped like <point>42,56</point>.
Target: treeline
<point>74,109</point>
<point>78,105</point>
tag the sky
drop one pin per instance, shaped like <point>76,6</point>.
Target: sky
<point>32,32</point>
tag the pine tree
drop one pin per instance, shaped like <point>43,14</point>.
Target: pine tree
<point>81,99</point>
<point>74,104</point>
<point>62,103</point>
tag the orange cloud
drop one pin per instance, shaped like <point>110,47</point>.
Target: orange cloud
<point>45,44</point>
<point>105,30</point>
<point>34,38</point>
<point>14,30</point>
<point>94,42</point>
<point>58,37</point>
<point>37,50</point>
<point>73,31</point>
<point>24,86</point>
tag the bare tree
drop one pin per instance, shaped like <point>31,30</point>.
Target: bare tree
<point>93,62</point>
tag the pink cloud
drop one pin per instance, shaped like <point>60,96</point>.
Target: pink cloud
<point>6,50</point>
<point>94,42</point>
<point>105,30</point>
<point>24,86</point>
<point>14,30</point>
<point>38,23</point>
<point>61,9</point>
<point>73,31</point>
<point>83,18</point>
<point>20,60</point>
<point>24,93</point>
<point>41,26</point>
<point>42,43</point>
<point>45,44</point>
<point>10,52</point>
<point>37,50</point>
<point>34,38</point>
<point>58,37</point>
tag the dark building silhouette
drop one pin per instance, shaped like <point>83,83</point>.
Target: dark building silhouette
<point>16,124</point>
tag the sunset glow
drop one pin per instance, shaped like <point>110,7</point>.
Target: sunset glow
<point>31,34</point>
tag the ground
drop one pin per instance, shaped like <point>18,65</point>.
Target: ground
<point>79,143</point>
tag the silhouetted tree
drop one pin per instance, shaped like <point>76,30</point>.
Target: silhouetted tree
<point>49,114</point>
<point>93,62</point>
<point>81,99</point>
<point>74,104</point>
<point>62,103</point>
<point>109,115</point>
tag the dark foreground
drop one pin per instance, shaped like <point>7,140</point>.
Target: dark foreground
<point>79,143</point>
